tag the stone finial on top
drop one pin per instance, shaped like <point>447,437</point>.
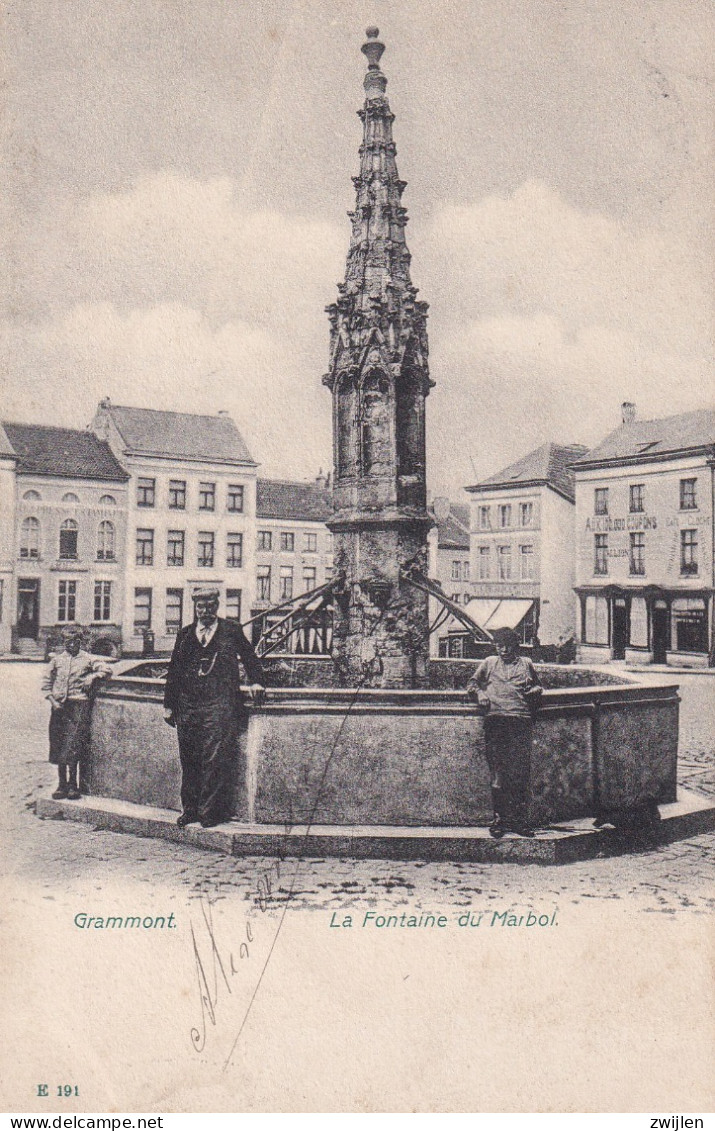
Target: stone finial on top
<point>375,81</point>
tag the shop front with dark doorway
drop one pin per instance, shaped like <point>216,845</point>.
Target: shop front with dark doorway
<point>28,608</point>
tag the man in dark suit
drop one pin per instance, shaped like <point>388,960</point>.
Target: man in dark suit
<point>203,700</point>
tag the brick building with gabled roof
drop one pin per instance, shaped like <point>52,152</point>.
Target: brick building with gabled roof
<point>64,503</point>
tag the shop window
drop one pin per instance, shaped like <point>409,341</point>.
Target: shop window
<point>688,498</point>
<point>600,554</point>
<point>688,552</point>
<point>30,538</point>
<point>690,626</point>
<point>637,555</point>
<point>69,533</point>
<point>600,500</point>
<point>636,498</point>
<point>595,621</point>
<point>639,623</point>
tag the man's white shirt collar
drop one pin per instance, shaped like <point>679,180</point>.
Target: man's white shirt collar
<point>204,635</point>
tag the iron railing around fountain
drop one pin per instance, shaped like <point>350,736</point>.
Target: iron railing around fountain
<point>301,618</point>
<point>413,576</point>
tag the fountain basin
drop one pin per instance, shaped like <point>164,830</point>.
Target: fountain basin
<point>331,756</point>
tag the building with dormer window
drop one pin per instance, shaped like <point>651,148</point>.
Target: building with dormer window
<point>191,517</point>
<point>644,541</point>
<point>521,540</point>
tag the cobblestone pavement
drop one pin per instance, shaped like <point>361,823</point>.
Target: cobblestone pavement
<point>70,861</point>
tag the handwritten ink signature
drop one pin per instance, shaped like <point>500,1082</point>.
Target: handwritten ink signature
<point>214,971</point>
<point>214,968</point>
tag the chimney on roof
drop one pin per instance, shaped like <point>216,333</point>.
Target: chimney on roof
<point>628,412</point>
<point>105,402</point>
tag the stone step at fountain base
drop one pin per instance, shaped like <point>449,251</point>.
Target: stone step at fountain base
<point>563,843</point>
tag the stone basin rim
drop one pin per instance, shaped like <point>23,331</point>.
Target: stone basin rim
<point>405,699</point>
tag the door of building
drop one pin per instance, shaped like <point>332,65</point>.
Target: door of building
<point>620,628</point>
<point>661,632</point>
<point>28,608</point>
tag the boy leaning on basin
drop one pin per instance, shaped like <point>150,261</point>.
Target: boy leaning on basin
<point>68,684</point>
<point>507,686</point>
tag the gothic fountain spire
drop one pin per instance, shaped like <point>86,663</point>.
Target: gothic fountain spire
<point>379,377</point>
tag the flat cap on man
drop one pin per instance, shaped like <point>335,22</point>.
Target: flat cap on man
<point>205,592</point>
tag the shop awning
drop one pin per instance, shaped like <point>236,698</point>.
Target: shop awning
<point>491,612</point>
<point>508,614</point>
<point>479,609</point>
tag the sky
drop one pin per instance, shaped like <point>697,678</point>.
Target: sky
<point>178,175</point>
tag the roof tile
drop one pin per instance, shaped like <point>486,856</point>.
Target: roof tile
<point>549,464</point>
<point>652,439</point>
<point>65,452</point>
<point>152,431</point>
<point>300,502</point>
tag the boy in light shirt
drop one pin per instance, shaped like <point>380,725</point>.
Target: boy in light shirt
<point>507,686</point>
<point>68,683</point>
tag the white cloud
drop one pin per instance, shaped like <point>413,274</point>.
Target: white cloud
<point>169,356</point>
<point>532,252</point>
<point>546,318</point>
<point>173,294</point>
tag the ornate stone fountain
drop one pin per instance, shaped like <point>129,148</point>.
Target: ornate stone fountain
<point>381,763</point>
